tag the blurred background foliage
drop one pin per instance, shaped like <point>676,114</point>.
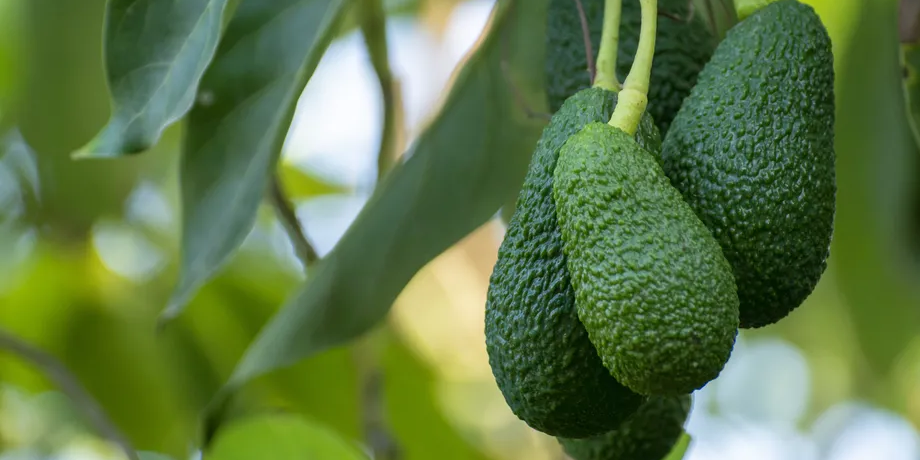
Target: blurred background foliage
<point>88,257</point>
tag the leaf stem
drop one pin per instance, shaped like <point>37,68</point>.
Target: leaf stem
<point>373,27</point>
<point>70,386</point>
<point>634,97</point>
<point>284,210</point>
<point>607,54</point>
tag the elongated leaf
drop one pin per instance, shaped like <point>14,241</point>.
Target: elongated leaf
<point>235,133</point>
<point>460,171</point>
<point>874,148</point>
<point>155,53</point>
<point>281,437</point>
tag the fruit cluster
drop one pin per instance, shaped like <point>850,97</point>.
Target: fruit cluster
<point>632,260</point>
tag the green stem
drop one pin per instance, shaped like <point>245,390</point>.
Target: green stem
<point>634,97</point>
<point>607,54</point>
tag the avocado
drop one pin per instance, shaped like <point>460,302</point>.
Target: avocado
<point>649,434</point>
<point>542,360</point>
<point>683,46</point>
<point>652,287</point>
<point>752,152</point>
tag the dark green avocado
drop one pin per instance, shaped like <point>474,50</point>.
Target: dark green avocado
<point>682,48</point>
<point>652,287</point>
<point>752,152</point>
<point>542,360</point>
<point>649,434</point>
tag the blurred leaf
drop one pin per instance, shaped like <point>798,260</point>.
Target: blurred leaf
<point>300,184</point>
<point>280,437</point>
<point>235,133</point>
<point>874,146</point>
<point>156,52</point>
<point>459,172</point>
<point>412,408</point>
<point>153,456</point>
<point>680,449</point>
<point>11,56</point>
<point>64,102</point>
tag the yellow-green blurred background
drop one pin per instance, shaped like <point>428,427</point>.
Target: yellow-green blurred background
<point>88,255</point>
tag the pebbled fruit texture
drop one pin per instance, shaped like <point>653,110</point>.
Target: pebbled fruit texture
<point>752,152</point>
<point>649,434</point>
<point>682,48</point>
<point>652,287</point>
<point>542,360</point>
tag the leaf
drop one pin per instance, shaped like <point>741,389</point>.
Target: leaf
<point>874,146</point>
<point>680,449</point>
<point>280,437</point>
<point>460,171</point>
<point>411,395</point>
<point>153,456</point>
<point>300,184</point>
<point>234,135</point>
<point>155,53</point>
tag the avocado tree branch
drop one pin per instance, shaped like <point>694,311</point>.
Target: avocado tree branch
<point>607,54</point>
<point>284,210</point>
<point>70,386</point>
<point>586,36</point>
<point>634,96</point>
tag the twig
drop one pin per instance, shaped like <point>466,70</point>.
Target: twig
<point>586,36</point>
<point>373,27</point>
<point>69,385</point>
<point>288,217</point>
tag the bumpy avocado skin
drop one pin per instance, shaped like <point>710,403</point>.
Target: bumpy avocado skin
<point>682,48</point>
<point>649,434</point>
<point>652,287</point>
<point>542,360</point>
<point>752,151</point>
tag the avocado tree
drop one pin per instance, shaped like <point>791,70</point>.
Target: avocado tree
<point>665,172</point>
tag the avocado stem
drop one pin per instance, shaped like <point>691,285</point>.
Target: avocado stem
<point>606,77</point>
<point>633,97</point>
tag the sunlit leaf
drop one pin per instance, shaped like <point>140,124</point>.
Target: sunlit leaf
<point>874,146</point>
<point>410,390</point>
<point>280,437</point>
<point>300,184</point>
<point>235,132</point>
<point>468,162</point>
<point>155,53</point>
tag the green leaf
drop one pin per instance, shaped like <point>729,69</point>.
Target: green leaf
<point>460,171</point>
<point>235,133</point>
<point>300,184</point>
<point>680,449</point>
<point>280,437</point>
<point>155,54</point>
<point>153,456</point>
<point>411,395</point>
<point>874,148</point>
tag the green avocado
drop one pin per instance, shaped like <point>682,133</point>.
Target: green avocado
<point>542,360</point>
<point>682,48</point>
<point>649,434</point>
<point>652,287</point>
<point>752,152</point>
